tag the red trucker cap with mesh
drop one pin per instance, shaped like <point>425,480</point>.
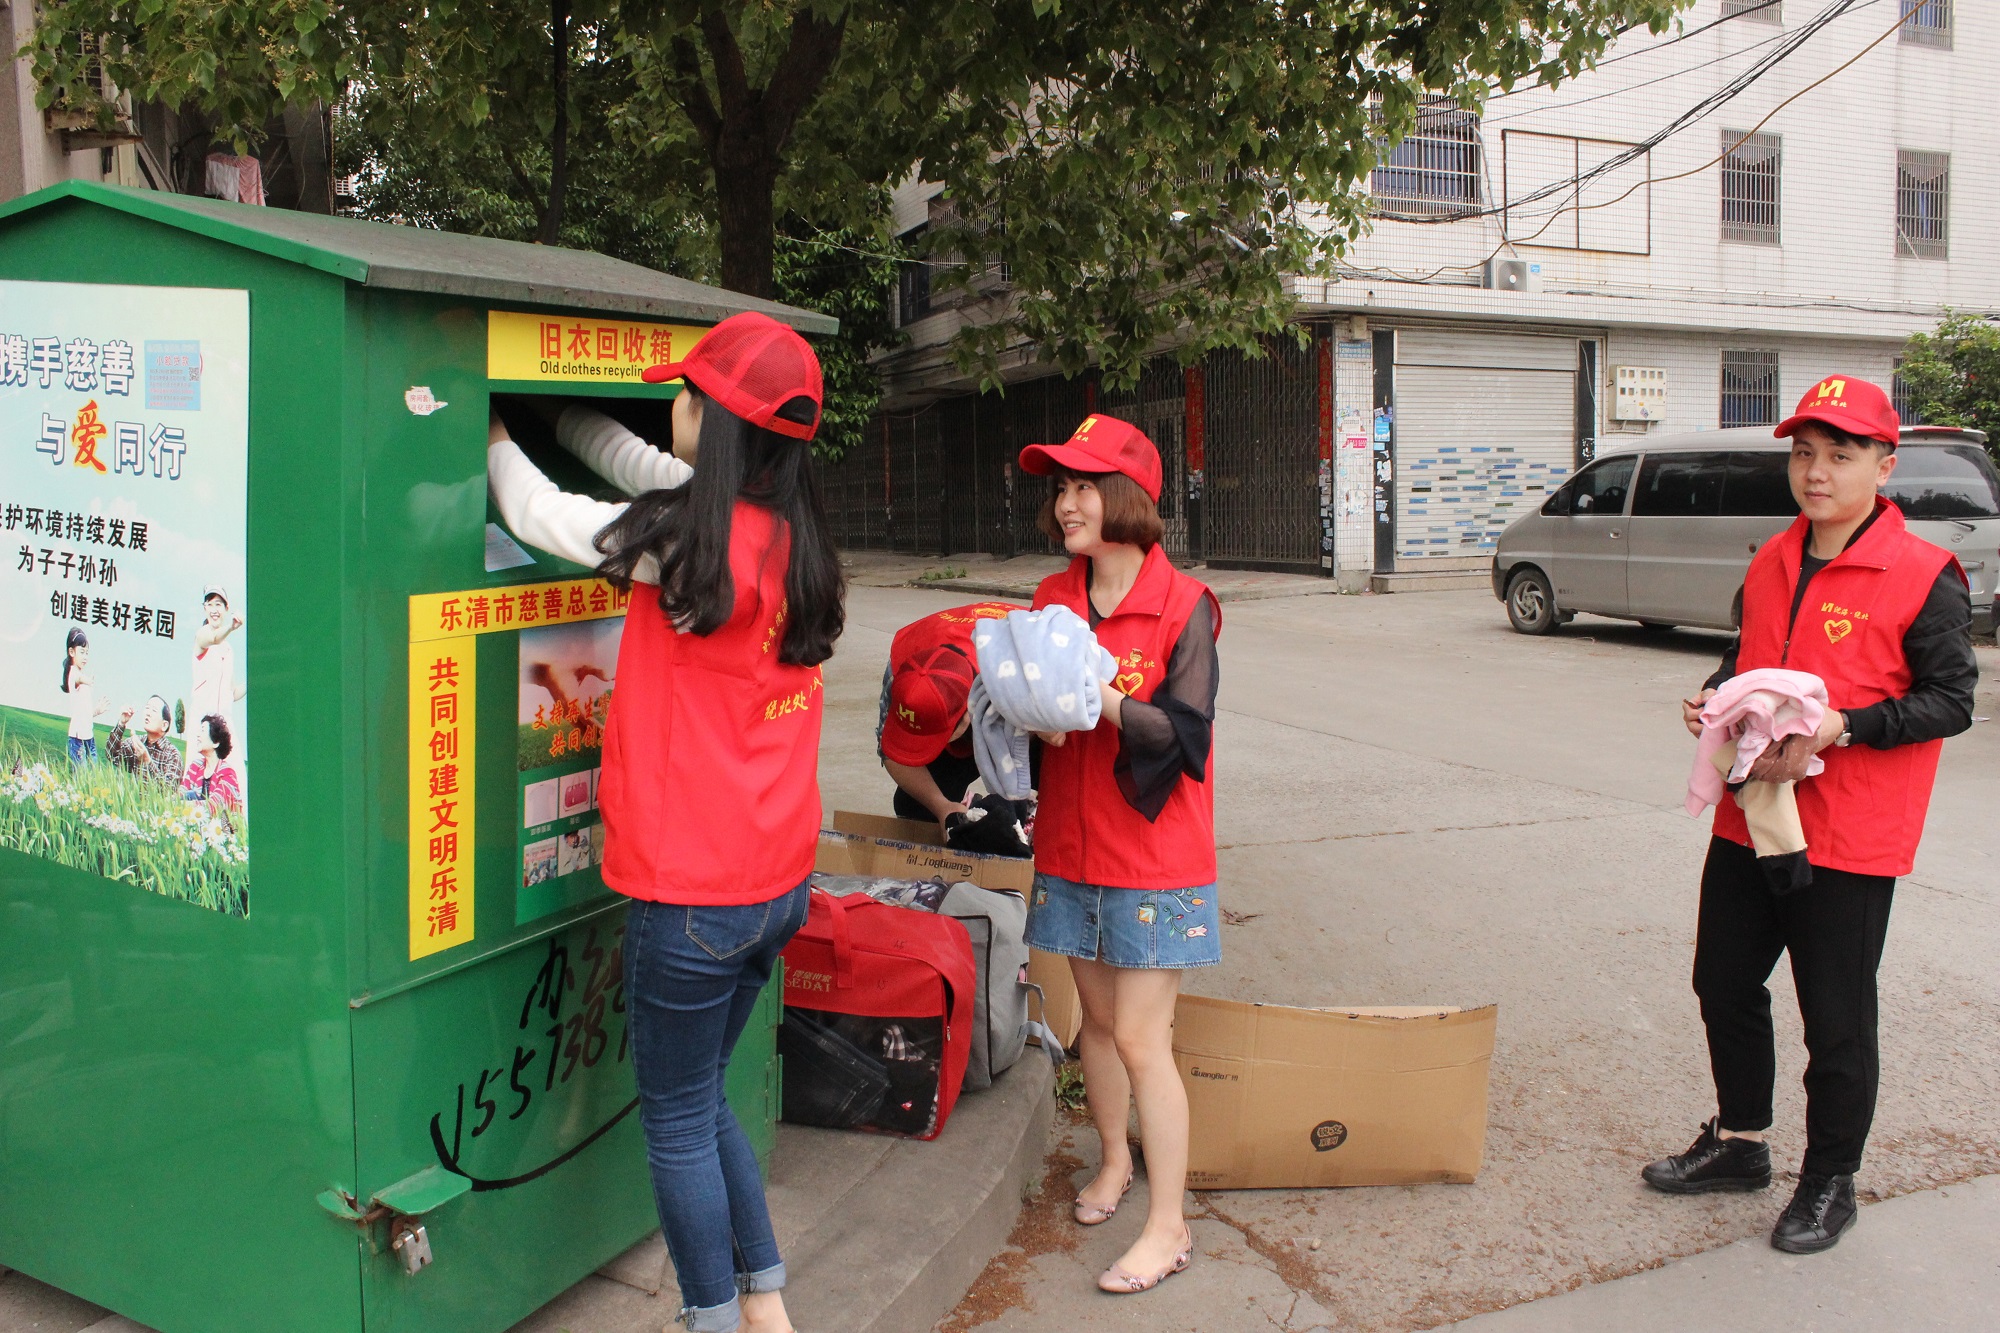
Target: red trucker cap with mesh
<point>1850,403</point>
<point>926,700</point>
<point>752,365</point>
<point>1100,444</point>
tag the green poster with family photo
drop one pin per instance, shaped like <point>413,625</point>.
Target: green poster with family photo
<point>124,423</point>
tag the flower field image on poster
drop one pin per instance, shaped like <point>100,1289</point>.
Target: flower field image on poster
<point>565,700</point>
<point>124,741</point>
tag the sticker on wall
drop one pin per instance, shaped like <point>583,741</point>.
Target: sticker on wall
<point>421,401</point>
<point>124,737</point>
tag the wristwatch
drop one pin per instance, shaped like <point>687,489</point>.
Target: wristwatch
<point>1846,734</point>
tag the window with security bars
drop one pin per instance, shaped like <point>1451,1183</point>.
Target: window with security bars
<point>1435,170</point>
<point>1926,23</point>
<point>1923,204</point>
<point>1750,171</point>
<point>1749,388</point>
<point>1764,11</point>
<point>1902,398</point>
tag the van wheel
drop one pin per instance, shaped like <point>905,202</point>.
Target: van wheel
<point>1531,602</point>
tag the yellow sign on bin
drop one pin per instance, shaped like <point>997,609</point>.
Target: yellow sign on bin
<point>444,686</point>
<point>444,680</point>
<point>580,348</point>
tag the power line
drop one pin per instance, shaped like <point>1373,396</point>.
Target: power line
<point>1648,50</point>
<point>1664,78</point>
<point>1686,119</point>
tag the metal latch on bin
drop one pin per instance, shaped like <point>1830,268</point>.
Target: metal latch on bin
<point>400,1205</point>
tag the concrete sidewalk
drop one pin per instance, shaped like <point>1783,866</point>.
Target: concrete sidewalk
<point>1925,1261</point>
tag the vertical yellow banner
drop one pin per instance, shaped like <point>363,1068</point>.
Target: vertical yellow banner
<point>444,681</point>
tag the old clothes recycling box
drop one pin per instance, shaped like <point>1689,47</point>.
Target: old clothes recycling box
<point>367,980</point>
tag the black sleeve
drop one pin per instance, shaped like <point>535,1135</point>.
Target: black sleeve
<point>1728,667</point>
<point>1943,671</point>
<point>1170,736</point>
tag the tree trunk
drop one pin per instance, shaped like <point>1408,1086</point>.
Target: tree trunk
<point>552,216</point>
<point>744,189</point>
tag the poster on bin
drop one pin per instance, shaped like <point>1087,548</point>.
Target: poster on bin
<point>565,701</point>
<point>124,424</point>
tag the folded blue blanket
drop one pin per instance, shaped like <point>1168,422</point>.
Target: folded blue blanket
<point>1038,671</point>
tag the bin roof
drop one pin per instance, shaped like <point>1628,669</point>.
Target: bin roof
<point>417,259</point>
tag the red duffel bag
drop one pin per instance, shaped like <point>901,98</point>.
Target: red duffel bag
<point>878,1017</point>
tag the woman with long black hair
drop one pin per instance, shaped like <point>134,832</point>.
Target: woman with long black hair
<point>710,789</point>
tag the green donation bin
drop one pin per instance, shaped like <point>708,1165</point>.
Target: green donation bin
<point>311,1014</point>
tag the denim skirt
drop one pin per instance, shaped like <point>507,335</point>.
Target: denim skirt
<point>1150,928</point>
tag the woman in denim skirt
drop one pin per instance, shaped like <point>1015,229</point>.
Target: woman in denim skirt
<point>710,789</point>
<point>1125,829</point>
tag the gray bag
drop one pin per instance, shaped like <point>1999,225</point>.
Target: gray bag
<point>997,922</point>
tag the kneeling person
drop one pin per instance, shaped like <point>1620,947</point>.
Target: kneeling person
<point>922,731</point>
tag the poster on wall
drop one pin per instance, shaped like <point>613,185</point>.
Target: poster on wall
<point>124,426</point>
<point>565,700</point>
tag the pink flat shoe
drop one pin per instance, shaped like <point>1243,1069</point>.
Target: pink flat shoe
<point>1120,1282</point>
<point>1090,1215</point>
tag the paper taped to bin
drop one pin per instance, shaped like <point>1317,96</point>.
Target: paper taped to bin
<point>1285,1098</point>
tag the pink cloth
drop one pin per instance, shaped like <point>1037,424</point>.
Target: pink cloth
<point>1756,710</point>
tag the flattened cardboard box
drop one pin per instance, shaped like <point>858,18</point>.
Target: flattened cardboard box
<point>860,844</point>
<point>1284,1098</point>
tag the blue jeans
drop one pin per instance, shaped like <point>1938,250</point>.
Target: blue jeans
<point>692,976</point>
<point>82,751</point>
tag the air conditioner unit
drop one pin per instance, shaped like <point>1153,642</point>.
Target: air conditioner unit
<point>1511,275</point>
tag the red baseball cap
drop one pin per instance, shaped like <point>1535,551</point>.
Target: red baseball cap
<point>752,365</point>
<point>1100,444</point>
<point>1853,405</point>
<point>926,701</point>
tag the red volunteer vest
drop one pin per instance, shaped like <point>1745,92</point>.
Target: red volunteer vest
<point>1865,813</point>
<point>710,790</point>
<point>1084,829</point>
<point>951,627</point>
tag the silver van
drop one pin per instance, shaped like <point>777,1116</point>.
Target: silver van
<point>1662,532</point>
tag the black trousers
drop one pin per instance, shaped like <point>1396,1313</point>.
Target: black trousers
<point>1834,930</point>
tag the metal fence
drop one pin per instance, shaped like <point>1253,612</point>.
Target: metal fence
<point>1238,440</point>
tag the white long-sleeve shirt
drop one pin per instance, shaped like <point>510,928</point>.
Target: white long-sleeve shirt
<point>565,524</point>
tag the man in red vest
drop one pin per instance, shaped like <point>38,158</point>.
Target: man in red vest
<point>922,730</point>
<point>1885,619</point>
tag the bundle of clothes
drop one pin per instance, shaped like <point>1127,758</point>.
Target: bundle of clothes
<point>1746,717</point>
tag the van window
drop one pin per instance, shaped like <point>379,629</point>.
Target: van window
<point>1680,486</point>
<point>1759,485</point>
<point>1606,482</point>
<point>1944,481</point>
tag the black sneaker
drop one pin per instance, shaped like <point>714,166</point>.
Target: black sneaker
<point>1713,1163</point>
<point>1821,1208</point>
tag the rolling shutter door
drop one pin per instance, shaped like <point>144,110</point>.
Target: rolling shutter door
<point>1485,429</point>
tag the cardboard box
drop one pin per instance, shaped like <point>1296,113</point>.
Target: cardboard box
<point>1283,1098</point>
<point>861,844</point>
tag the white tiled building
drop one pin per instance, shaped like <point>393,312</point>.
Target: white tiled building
<point>1809,223</point>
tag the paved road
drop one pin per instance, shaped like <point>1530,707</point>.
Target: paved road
<point>1417,805</point>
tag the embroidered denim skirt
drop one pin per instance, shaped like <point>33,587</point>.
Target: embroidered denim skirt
<point>1153,928</point>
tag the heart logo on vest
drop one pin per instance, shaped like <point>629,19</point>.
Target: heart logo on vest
<point>1130,682</point>
<point>1836,630</point>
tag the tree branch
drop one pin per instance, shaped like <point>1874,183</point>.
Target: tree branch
<point>694,96</point>
<point>521,179</point>
<point>796,83</point>
<point>731,83</point>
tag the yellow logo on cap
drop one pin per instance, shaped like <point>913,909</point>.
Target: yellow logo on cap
<point>1833,388</point>
<point>908,715</point>
<point>1084,429</point>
